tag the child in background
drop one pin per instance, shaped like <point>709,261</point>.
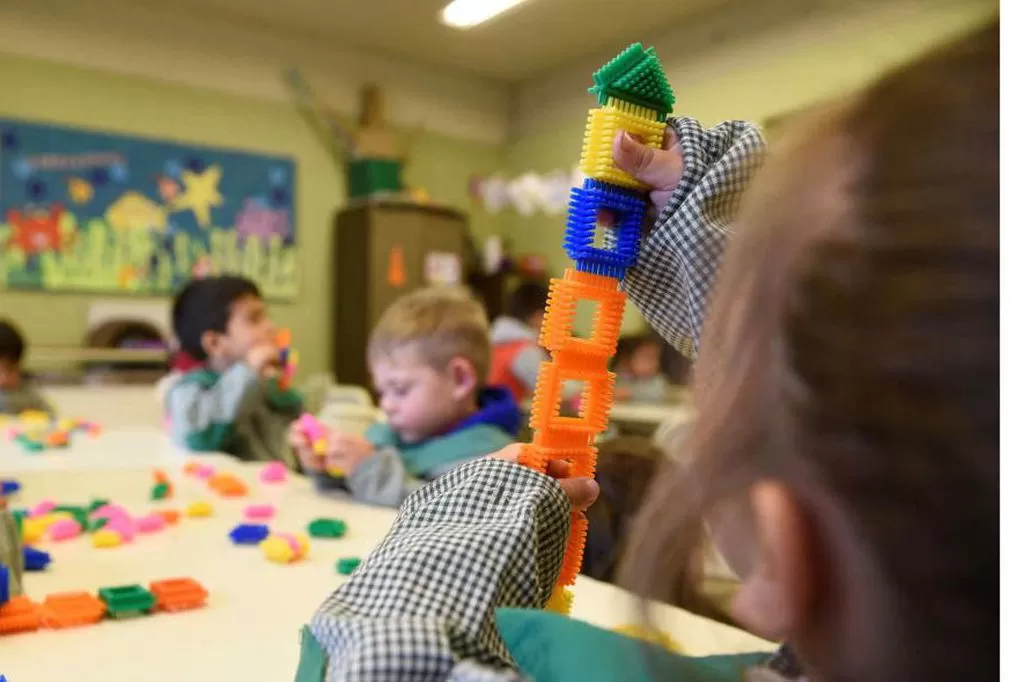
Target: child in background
<point>16,393</point>
<point>232,403</point>
<point>427,356</point>
<point>515,338</point>
<point>637,369</point>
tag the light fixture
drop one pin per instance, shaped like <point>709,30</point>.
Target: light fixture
<point>469,13</point>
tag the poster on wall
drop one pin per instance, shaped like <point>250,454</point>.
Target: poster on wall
<point>83,211</point>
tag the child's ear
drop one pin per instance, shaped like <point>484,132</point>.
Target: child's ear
<point>464,378</point>
<point>211,342</point>
<point>775,599</point>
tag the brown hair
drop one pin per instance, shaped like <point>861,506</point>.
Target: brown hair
<point>441,323</point>
<point>851,353</point>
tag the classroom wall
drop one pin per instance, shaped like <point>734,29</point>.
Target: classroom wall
<point>48,91</point>
<point>753,64</point>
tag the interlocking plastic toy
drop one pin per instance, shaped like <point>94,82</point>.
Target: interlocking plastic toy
<point>198,510</point>
<point>288,359</point>
<point>285,548</point>
<point>258,512</point>
<point>5,584</point>
<point>249,533</point>
<point>20,614</point>
<point>274,472</point>
<point>328,528</point>
<point>316,434</point>
<point>35,559</point>
<point>635,97</point>
<point>71,609</point>
<point>178,594</point>
<point>9,486</point>
<point>347,565</point>
<point>127,601</point>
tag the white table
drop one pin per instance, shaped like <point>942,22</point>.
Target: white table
<point>249,630</point>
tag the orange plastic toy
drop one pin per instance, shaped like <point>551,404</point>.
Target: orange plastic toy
<point>228,485</point>
<point>20,614</point>
<point>171,516</point>
<point>178,594</point>
<point>71,609</point>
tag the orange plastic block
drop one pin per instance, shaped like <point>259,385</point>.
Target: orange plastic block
<point>556,335</point>
<point>171,516</point>
<point>597,158</point>
<point>178,594</point>
<point>594,407</point>
<point>72,609</point>
<point>57,439</point>
<point>19,615</point>
<point>228,485</point>
<point>160,476</point>
<point>573,561</point>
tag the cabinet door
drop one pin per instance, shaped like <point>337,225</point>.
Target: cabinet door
<point>395,263</point>
<point>443,249</point>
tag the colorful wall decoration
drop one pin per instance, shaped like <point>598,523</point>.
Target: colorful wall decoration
<point>93,212</point>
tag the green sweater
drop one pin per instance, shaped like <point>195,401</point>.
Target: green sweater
<point>236,412</point>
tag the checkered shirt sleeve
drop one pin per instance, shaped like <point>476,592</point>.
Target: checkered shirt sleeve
<point>673,277</point>
<point>489,534</point>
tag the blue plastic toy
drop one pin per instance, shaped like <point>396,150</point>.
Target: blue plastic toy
<point>35,559</point>
<point>620,248</point>
<point>5,584</point>
<point>9,486</point>
<point>249,533</point>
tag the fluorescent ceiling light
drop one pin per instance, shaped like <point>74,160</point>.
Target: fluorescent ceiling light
<point>469,13</point>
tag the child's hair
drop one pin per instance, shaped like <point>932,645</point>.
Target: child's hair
<point>12,343</point>
<point>527,299</point>
<point>204,305</point>
<point>851,354</point>
<point>630,344</point>
<point>442,323</point>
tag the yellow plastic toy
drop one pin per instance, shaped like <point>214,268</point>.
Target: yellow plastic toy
<point>197,510</point>
<point>106,538</point>
<point>285,548</point>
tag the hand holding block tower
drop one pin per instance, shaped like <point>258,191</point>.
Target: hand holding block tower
<point>635,97</point>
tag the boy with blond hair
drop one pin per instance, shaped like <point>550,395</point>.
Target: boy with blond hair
<point>429,356</point>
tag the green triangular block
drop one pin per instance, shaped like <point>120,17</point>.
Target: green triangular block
<point>636,76</point>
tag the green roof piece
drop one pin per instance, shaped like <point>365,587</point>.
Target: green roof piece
<point>347,565</point>
<point>636,76</point>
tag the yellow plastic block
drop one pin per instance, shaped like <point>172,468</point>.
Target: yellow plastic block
<point>106,538</point>
<point>199,510</point>
<point>630,108</point>
<point>32,529</point>
<point>597,161</point>
<point>561,600</point>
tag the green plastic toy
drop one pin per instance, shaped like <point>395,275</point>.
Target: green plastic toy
<point>328,528</point>
<point>127,601</point>
<point>348,565</point>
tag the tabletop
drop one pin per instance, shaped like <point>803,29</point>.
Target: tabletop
<point>250,626</point>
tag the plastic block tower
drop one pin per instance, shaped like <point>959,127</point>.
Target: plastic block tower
<point>634,96</point>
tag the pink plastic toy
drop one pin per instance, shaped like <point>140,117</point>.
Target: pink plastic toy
<point>255,512</point>
<point>44,507</point>
<point>274,472</point>
<point>314,433</point>
<point>65,529</point>
<point>110,512</point>
<point>150,523</point>
<point>205,471</point>
<point>296,546</point>
<point>123,526</point>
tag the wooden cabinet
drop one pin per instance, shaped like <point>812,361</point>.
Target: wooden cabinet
<point>381,251</point>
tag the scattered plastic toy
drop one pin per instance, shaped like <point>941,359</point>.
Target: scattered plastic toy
<point>316,434</point>
<point>328,528</point>
<point>35,559</point>
<point>205,471</point>
<point>228,485</point>
<point>285,548</point>
<point>5,584</point>
<point>257,512</point>
<point>150,523</point>
<point>8,487</point>
<point>65,529</point>
<point>127,601</point>
<point>106,538</point>
<point>347,565</point>
<point>199,510</point>
<point>170,516</point>
<point>249,533</point>
<point>274,472</point>
<point>71,609</point>
<point>19,614</point>
<point>43,508</point>
<point>178,594</point>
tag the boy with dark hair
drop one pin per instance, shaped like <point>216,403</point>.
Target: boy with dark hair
<point>233,403</point>
<point>637,367</point>
<point>16,394</point>
<point>514,339</point>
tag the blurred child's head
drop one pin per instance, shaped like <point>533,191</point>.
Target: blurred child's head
<point>528,302</point>
<point>12,349</point>
<point>846,439</point>
<point>219,319</point>
<point>639,356</point>
<point>429,355</point>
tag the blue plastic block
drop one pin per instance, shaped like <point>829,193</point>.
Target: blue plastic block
<point>5,584</point>
<point>35,559</point>
<point>249,533</point>
<point>621,243</point>
<point>9,486</point>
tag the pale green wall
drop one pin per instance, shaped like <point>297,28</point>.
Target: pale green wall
<point>45,91</point>
<point>782,72</point>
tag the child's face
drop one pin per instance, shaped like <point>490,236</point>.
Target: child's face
<point>10,375</point>
<point>248,326</point>
<point>645,361</point>
<point>419,401</point>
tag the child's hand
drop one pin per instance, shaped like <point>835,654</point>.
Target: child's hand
<point>345,452</point>
<point>262,358</point>
<point>304,449</point>
<point>661,169</point>
<point>581,492</point>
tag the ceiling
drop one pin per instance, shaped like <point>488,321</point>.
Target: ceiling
<point>524,42</point>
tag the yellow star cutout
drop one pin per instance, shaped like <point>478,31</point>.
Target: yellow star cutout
<point>200,194</point>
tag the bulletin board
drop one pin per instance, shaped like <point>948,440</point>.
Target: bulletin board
<point>88,211</point>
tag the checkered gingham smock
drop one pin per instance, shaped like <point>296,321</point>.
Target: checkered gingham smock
<point>491,533</point>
